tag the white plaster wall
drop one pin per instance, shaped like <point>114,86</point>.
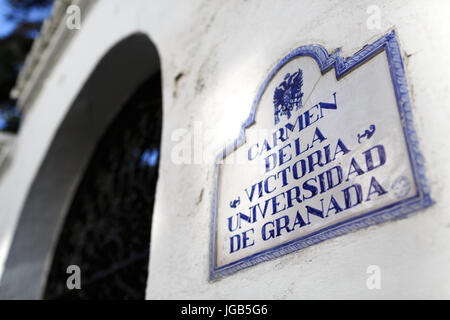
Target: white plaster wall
<point>224,51</point>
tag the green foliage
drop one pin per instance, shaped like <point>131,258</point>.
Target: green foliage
<point>13,51</point>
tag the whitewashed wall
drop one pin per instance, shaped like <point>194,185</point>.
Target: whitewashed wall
<point>224,50</point>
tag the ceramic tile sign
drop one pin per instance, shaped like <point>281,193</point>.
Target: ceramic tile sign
<point>329,148</point>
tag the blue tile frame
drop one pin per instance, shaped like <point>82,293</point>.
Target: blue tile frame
<point>401,209</point>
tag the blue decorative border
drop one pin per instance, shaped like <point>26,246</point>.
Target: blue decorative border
<point>401,209</point>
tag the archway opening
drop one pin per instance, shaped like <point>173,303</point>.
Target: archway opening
<point>106,234</point>
<point>94,189</point>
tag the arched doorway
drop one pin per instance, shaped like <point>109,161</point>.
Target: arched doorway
<point>121,79</point>
<point>107,230</point>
